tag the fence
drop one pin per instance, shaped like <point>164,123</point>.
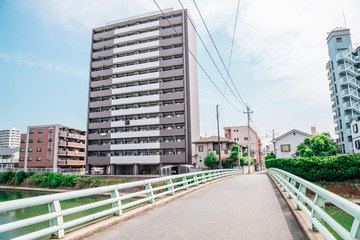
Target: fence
<point>154,188</point>
<point>296,188</point>
<point>36,170</point>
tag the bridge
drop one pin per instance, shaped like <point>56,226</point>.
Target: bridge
<point>217,204</point>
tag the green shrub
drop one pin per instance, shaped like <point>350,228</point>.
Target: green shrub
<point>19,177</point>
<point>331,168</point>
<point>69,180</point>
<point>6,176</point>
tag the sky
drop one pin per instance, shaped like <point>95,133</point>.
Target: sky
<point>278,61</point>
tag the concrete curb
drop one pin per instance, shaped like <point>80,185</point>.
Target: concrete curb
<point>301,218</point>
<point>104,223</point>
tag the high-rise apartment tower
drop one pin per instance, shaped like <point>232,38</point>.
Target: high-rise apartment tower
<point>143,98</point>
<point>344,84</point>
<point>10,138</point>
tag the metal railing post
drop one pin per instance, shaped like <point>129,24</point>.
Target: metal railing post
<point>150,194</point>
<point>115,194</point>
<point>55,207</point>
<point>171,187</point>
<point>196,180</point>
<point>292,182</point>
<point>185,183</point>
<point>302,189</point>
<point>355,229</point>
<point>320,202</point>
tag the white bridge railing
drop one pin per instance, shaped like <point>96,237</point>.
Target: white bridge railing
<point>296,188</point>
<point>167,186</point>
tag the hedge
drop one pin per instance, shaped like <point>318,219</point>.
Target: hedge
<point>331,168</point>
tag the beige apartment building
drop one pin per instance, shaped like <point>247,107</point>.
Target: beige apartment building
<point>143,110</point>
<point>239,134</point>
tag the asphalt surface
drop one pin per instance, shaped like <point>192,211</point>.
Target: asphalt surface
<point>241,207</point>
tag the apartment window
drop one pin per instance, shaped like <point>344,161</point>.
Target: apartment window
<point>23,141</point>
<point>201,148</point>
<point>51,130</point>
<point>50,139</point>
<point>39,140</point>
<point>339,40</point>
<point>21,159</point>
<point>49,149</point>
<point>285,147</point>
<point>245,138</point>
<point>357,144</point>
<point>29,159</point>
<point>31,141</point>
<point>355,128</point>
<point>31,132</point>
<point>38,159</point>
<point>38,149</point>
<point>48,159</point>
<point>40,131</point>
<point>30,150</point>
<point>22,150</point>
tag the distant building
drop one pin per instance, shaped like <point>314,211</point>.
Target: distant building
<point>9,158</point>
<point>143,110</point>
<point>343,76</point>
<point>286,144</point>
<point>54,147</point>
<point>240,136</point>
<point>354,126</point>
<point>203,147</point>
<point>10,138</point>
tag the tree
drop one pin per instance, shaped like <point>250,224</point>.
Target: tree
<point>270,156</point>
<point>210,160</point>
<point>235,152</point>
<point>318,145</point>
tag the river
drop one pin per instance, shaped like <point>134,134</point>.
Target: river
<point>15,215</point>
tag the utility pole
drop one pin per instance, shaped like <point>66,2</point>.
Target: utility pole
<point>217,117</point>
<point>239,154</point>
<point>248,112</point>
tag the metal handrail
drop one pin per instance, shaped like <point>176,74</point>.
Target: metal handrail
<point>56,213</point>
<point>296,188</point>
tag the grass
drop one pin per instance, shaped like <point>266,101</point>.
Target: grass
<point>343,218</point>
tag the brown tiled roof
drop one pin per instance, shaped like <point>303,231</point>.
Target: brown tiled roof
<point>212,139</point>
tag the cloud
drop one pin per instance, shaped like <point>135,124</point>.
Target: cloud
<point>48,66</point>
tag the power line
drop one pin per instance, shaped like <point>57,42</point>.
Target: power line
<point>194,56</point>
<point>231,51</point>
<point>222,61</point>
<point>212,59</point>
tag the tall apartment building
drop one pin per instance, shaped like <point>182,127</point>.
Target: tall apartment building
<point>239,134</point>
<point>10,138</point>
<point>53,146</point>
<point>343,76</point>
<point>143,98</point>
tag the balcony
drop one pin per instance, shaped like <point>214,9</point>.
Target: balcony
<point>348,80</point>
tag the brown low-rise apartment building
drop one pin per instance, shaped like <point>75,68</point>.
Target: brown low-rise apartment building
<point>52,148</point>
<point>143,100</point>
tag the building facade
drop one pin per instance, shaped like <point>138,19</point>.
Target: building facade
<point>203,147</point>
<point>55,147</point>
<point>9,158</point>
<point>143,97</point>
<point>10,138</point>
<point>355,133</point>
<point>286,145</point>
<point>343,76</point>
<point>239,134</point>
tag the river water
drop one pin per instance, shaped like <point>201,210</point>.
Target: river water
<point>15,215</point>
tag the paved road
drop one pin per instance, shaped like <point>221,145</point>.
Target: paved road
<point>241,207</point>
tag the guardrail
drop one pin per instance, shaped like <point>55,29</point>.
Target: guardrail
<point>296,188</point>
<point>168,186</point>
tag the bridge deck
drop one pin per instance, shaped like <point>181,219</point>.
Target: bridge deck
<point>241,207</point>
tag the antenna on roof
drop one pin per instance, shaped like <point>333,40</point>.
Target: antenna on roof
<point>344,18</point>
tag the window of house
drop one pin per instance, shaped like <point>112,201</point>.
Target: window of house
<point>51,130</point>
<point>38,149</point>
<point>49,149</point>
<point>38,159</point>
<point>357,144</point>
<point>40,131</point>
<point>285,147</point>
<point>49,159</point>
<point>23,141</point>
<point>31,132</point>
<point>201,148</point>
<point>245,138</point>
<point>22,150</point>
<point>21,159</point>
<point>50,139</point>
<point>29,159</point>
<point>39,140</point>
<point>30,150</point>
<point>31,141</point>
<point>339,40</point>
<point>355,128</point>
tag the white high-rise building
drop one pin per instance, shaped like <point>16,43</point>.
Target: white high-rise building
<point>10,138</point>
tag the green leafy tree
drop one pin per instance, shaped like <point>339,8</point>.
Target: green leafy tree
<point>270,156</point>
<point>244,161</point>
<point>210,160</point>
<point>235,152</point>
<point>318,145</point>
<point>245,154</point>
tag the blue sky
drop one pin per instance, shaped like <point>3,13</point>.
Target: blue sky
<point>278,61</point>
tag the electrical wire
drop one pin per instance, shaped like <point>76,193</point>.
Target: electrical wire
<point>202,68</point>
